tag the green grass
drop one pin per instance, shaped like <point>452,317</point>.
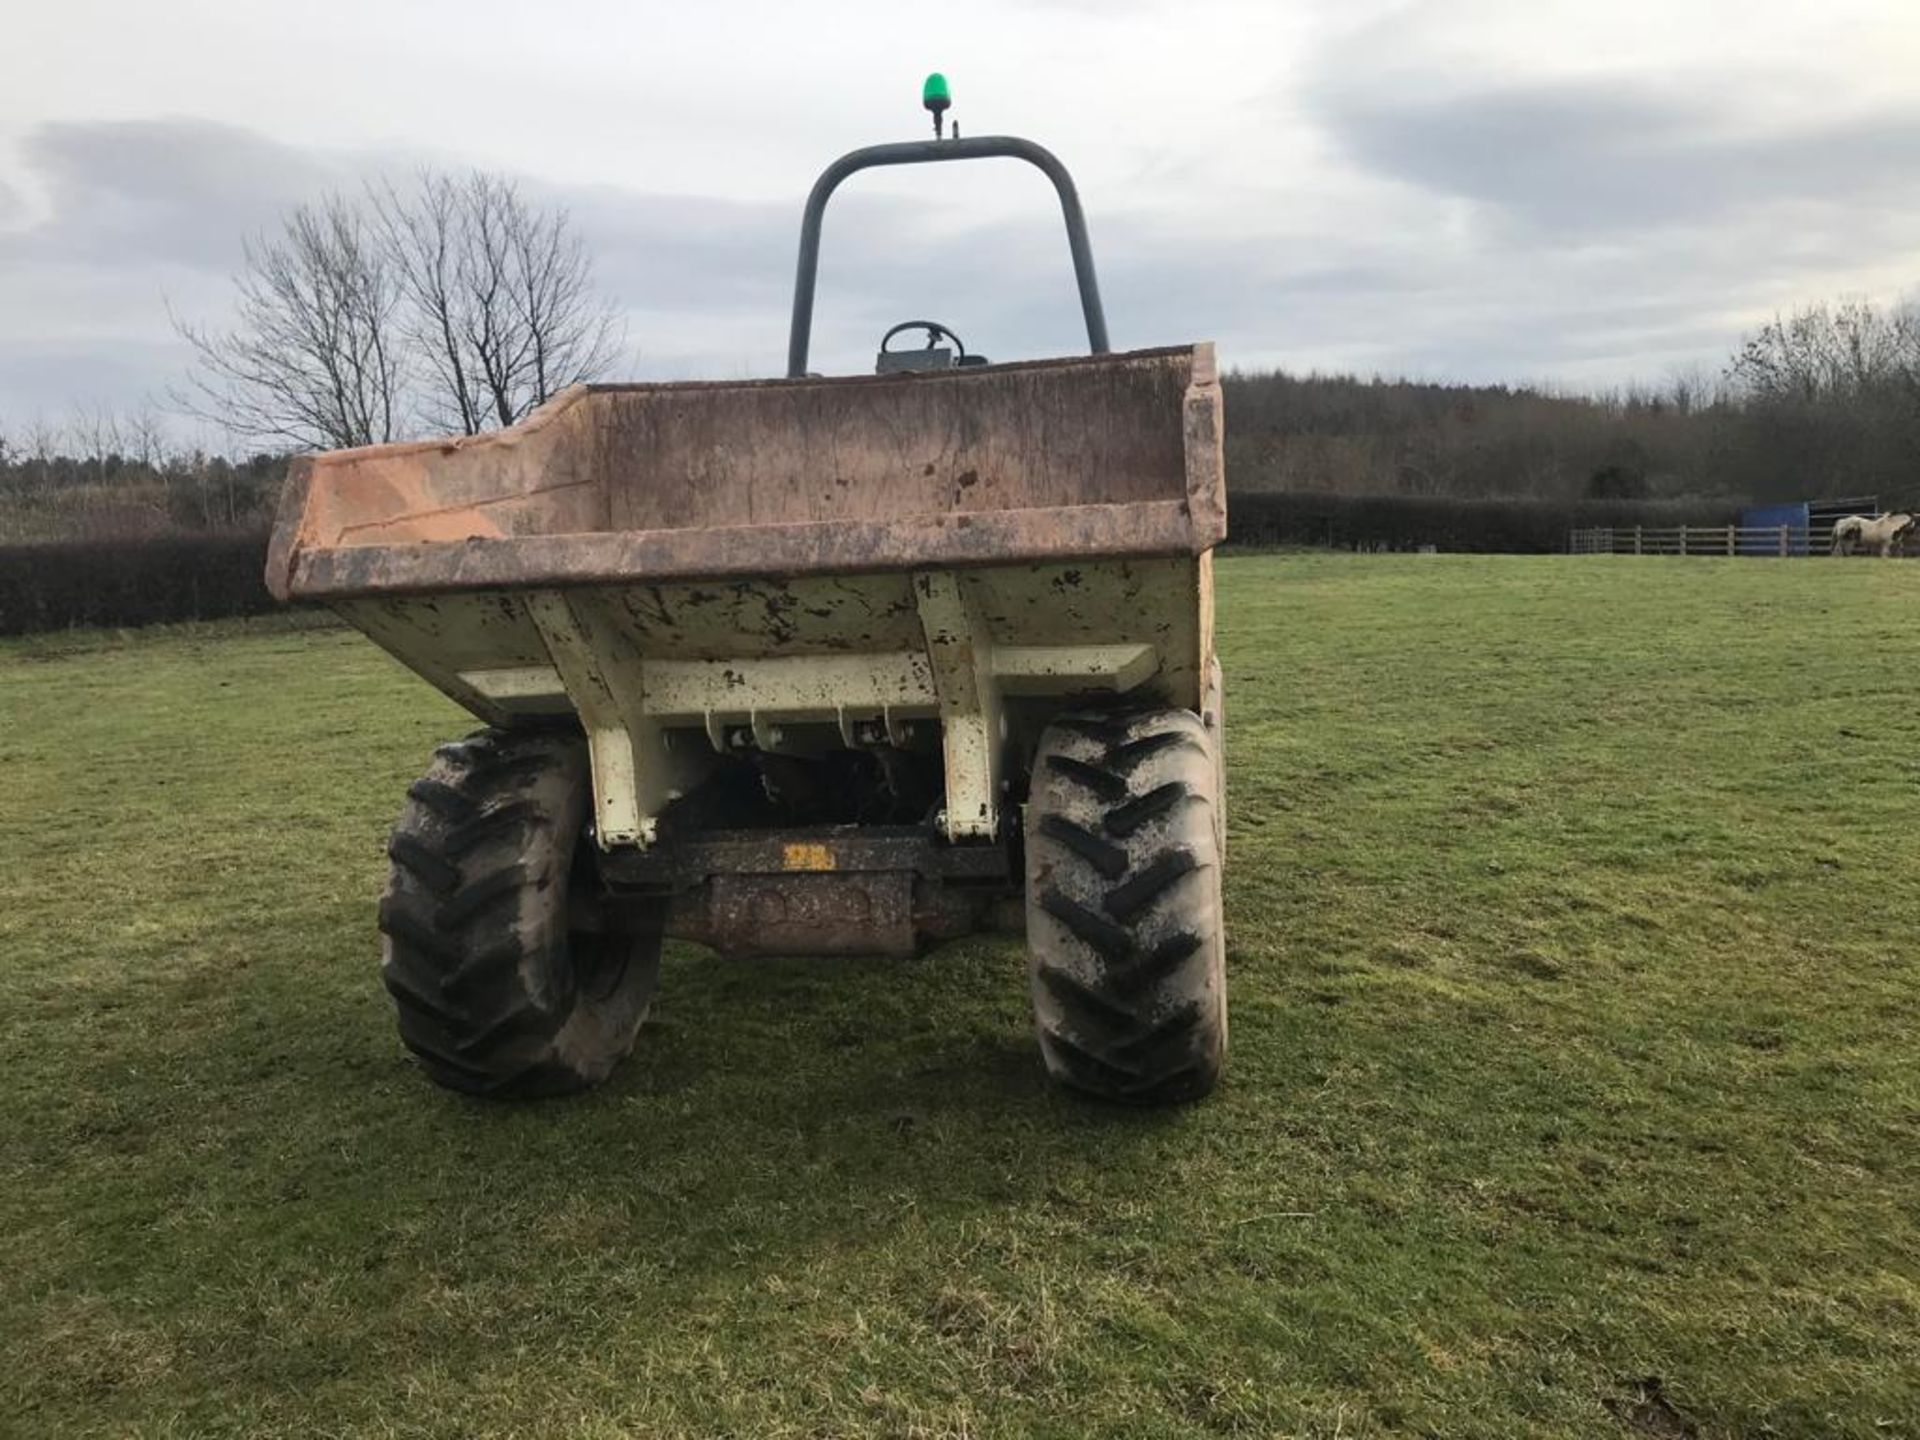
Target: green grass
<point>1576,1027</point>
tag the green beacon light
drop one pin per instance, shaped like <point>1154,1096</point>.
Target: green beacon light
<point>935,96</point>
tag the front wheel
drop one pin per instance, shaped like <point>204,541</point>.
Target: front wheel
<point>1124,919</point>
<point>510,976</point>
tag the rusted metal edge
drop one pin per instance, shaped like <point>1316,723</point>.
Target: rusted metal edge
<point>938,377</point>
<point>1073,532</point>
<point>283,544</point>
<point>1204,433</point>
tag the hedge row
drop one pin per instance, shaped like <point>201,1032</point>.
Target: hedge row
<point>1408,522</point>
<point>59,584</point>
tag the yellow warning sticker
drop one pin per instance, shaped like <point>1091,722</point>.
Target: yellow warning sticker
<point>801,855</point>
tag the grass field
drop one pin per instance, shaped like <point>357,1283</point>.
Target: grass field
<point>1575,912</point>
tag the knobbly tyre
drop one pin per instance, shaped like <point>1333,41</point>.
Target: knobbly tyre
<point>808,666</point>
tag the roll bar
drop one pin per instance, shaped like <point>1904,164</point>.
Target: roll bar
<point>921,152</point>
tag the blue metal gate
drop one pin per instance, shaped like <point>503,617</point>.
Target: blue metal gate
<point>1772,517</point>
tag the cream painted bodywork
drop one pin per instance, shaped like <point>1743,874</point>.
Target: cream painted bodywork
<point>661,675</point>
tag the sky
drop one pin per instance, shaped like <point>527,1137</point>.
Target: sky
<point>1573,194</point>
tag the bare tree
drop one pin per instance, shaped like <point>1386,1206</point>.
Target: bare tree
<point>500,296</point>
<point>144,434</point>
<point>44,442</point>
<point>1830,352</point>
<point>456,304</point>
<point>316,357</point>
<point>94,435</point>
<point>426,233</point>
<point>1829,401</point>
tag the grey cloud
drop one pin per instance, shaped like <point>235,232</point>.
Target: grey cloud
<point>1595,158</point>
<point>125,217</point>
<point>51,379</point>
<point>177,191</point>
<point>1581,229</point>
<point>718,256</point>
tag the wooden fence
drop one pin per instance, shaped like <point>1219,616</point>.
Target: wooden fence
<point>1771,540</point>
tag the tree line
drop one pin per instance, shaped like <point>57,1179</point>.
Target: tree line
<point>1824,402</point>
<point>107,475</point>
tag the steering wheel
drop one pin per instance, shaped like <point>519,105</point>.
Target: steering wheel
<point>934,331</point>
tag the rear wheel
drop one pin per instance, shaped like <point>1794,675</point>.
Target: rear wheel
<point>1124,922</point>
<point>510,976</point>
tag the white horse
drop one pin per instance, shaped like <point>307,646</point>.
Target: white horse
<point>1883,534</point>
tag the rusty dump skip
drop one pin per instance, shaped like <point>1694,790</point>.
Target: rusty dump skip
<point>1113,455</point>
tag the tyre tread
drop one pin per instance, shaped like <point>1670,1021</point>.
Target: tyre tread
<point>477,954</point>
<point>1130,1004</point>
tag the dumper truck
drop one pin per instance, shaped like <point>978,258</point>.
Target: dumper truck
<point>813,666</point>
